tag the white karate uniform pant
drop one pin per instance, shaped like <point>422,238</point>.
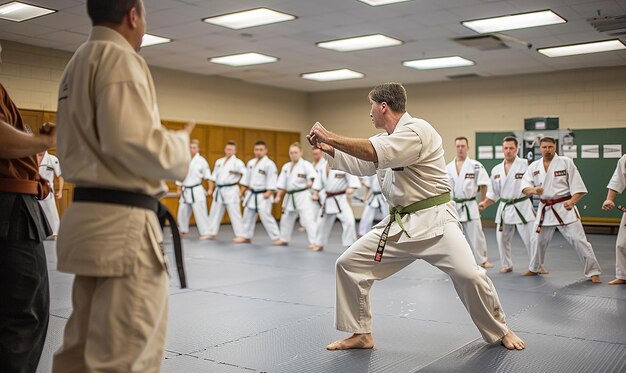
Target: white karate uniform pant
<point>288,219</point>
<point>317,210</point>
<point>575,235</point>
<point>370,214</point>
<point>49,207</point>
<point>620,250</point>
<point>505,237</point>
<point>476,237</point>
<point>325,225</point>
<point>234,214</point>
<point>265,213</point>
<point>357,270</point>
<point>199,213</point>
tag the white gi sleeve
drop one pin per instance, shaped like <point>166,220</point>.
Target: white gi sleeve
<point>56,166</point>
<point>281,183</point>
<point>350,164</point>
<point>528,181</point>
<point>213,176</point>
<point>401,148</point>
<point>246,179</point>
<point>353,181</point>
<point>491,193</point>
<point>242,169</point>
<point>483,176</point>
<point>206,172</point>
<point>576,184</point>
<point>317,183</point>
<point>618,180</point>
<point>310,171</point>
<point>130,135</point>
<point>271,174</point>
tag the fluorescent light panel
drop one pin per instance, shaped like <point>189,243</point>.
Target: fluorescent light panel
<point>359,43</point>
<point>585,48</point>
<point>249,18</point>
<point>514,21</point>
<point>438,63</point>
<point>382,2</point>
<point>244,59</point>
<point>149,40</point>
<point>332,75</point>
<point>18,12</point>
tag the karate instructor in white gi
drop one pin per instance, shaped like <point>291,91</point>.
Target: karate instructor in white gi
<point>408,159</point>
<point>616,186</point>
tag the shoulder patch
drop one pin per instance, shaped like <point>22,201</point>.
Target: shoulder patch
<point>560,173</point>
<point>536,173</point>
<point>470,176</point>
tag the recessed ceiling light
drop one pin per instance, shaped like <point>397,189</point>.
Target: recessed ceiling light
<point>243,59</point>
<point>382,2</point>
<point>249,18</point>
<point>331,75</point>
<point>360,42</point>
<point>149,39</point>
<point>438,63</point>
<point>584,48</point>
<point>514,21</point>
<point>18,12</point>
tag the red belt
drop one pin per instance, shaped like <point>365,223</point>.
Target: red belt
<point>550,203</point>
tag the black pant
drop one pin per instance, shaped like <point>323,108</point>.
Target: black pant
<point>24,304</point>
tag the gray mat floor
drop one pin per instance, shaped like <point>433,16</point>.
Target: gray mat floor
<point>259,308</point>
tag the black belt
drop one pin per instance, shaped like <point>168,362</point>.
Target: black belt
<point>220,186</point>
<point>193,199</point>
<point>120,197</point>
<point>256,201</point>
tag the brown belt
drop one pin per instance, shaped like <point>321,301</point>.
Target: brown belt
<point>550,203</point>
<point>40,188</point>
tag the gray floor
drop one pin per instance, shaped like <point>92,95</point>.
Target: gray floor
<point>256,307</point>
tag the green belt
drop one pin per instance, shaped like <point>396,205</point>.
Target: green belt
<point>290,193</point>
<point>508,202</point>
<point>396,214</point>
<point>463,200</point>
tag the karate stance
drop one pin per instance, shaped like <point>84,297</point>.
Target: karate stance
<point>515,209</point>
<point>295,180</point>
<point>466,177</point>
<point>192,195</point>
<point>376,207</point>
<point>408,160</point>
<point>339,187</point>
<point>559,186</point>
<point>259,186</point>
<point>224,188</point>
<point>49,167</point>
<point>616,186</point>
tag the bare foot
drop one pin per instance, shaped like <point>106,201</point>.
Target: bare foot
<point>512,342</point>
<point>207,237</point>
<point>362,341</point>
<point>183,234</point>
<point>596,279</point>
<point>300,229</point>
<point>530,273</point>
<point>316,248</point>
<point>241,240</point>
<point>487,264</point>
<point>280,243</point>
<point>506,269</point>
<point>543,270</point>
<point>617,281</point>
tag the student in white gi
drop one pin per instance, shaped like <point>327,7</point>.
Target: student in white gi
<point>294,181</point>
<point>467,176</point>
<point>224,188</point>
<point>515,209</point>
<point>319,163</point>
<point>376,207</point>
<point>259,186</point>
<point>559,186</point>
<point>192,195</point>
<point>338,187</point>
<point>408,159</point>
<point>49,167</point>
<point>616,186</point>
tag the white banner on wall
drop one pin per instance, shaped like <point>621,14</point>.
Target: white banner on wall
<point>485,152</point>
<point>570,151</point>
<point>590,151</point>
<point>612,151</point>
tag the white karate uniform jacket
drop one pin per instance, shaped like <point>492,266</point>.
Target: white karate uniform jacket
<point>425,176</point>
<point>509,186</point>
<point>193,191</point>
<point>374,201</point>
<point>49,167</point>
<point>466,184</point>
<point>289,179</point>
<point>227,171</point>
<point>335,181</point>
<point>261,175</point>
<point>561,179</point>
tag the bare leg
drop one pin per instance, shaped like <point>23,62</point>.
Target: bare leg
<point>356,341</point>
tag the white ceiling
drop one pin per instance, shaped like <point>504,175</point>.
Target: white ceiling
<point>425,26</point>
